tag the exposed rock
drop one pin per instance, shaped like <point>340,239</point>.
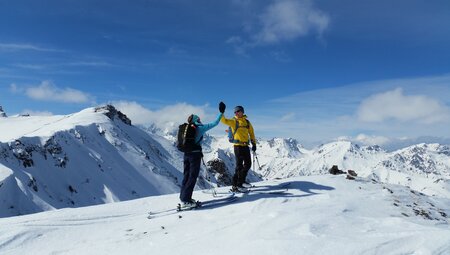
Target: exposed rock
<point>219,168</point>
<point>112,113</point>
<point>23,153</point>
<point>335,170</point>
<point>33,184</point>
<point>2,113</point>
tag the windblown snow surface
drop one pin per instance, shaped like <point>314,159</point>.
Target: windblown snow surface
<point>303,215</point>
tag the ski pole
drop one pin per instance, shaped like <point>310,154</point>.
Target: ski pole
<point>253,161</point>
<point>208,179</point>
<point>257,160</point>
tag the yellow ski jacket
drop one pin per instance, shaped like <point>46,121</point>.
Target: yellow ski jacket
<point>243,132</point>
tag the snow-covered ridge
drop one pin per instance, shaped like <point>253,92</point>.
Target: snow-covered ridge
<point>87,158</point>
<point>45,126</point>
<point>97,156</point>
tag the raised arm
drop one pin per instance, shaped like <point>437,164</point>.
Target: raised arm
<point>228,122</point>
<point>205,127</point>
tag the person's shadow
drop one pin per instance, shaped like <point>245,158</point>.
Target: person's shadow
<point>282,189</point>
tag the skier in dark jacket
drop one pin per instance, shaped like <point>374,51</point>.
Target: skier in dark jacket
<point>193,159</point>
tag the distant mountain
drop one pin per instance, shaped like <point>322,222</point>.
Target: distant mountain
<point>424,167</point>
<point>97,156</point>
<point>92,157</point>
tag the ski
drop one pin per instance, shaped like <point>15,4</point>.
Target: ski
<point>201,205</point>
<point>280,186</point>
<point>268,189</point>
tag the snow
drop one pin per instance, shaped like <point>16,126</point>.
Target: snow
<point>425,167</point>
<point>84,183</point>
<point>78,160</point>
<point>45,126</point>
<point>315,215</point>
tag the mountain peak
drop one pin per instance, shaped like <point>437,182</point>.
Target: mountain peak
<point>111,112</point>
<point>2,113</point>
<point>283,147</point>
<point>340,145</point>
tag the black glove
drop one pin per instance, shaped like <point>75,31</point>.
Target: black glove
<point>222,107</point>
<point>253,147</point>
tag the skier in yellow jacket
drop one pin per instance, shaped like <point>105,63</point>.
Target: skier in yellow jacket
<point>241,134</point>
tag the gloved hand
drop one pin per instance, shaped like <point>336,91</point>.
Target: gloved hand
<point>222,107</point>
<point>253,147</point>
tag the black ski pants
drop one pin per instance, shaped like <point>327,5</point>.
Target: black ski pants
<point>243,164</point>
<point>191,163</point>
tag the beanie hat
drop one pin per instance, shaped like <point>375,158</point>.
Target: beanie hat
<point>239,109</point>
<point>194,119</point>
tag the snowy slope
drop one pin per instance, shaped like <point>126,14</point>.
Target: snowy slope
<point>315,215</point>
<point>87,158</point>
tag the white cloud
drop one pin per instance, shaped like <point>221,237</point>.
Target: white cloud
<point>288,117</point>
<point>280,56</point>
<point>14,88</point>
<point>91,64</point>
<point>371,139</point>
<point>20,47</point>
<point>167,117</point>
<point>239,45</point>
<point>30,66</point>
<point>288,20</point>
<point>47,91</point>
<point>280,22</point>
<point>395,105</point>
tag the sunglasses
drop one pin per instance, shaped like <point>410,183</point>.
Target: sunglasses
<point>237,111</point>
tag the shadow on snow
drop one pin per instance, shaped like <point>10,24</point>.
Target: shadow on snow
<point>272,191</point>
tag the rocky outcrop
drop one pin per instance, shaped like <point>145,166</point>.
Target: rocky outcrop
<point>23,153</point>
<point>2,113</point>
<point>220,170</point>
<point>113,113</point>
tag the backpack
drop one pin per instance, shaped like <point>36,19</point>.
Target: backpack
<point>186,137</point>
<point>231,134</point>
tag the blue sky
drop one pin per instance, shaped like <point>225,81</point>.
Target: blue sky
<point>313,70</point>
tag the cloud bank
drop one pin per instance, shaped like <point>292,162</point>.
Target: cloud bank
<point>47,91</point>
<point>395,105</point>
<point>166,118</point>
<point>373,112</point>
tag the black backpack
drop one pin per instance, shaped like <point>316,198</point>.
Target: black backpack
<point>186,137</point>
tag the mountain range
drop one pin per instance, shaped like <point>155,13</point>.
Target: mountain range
<point>98,156</point>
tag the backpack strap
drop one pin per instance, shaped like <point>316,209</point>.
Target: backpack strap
<point>235,130</point>
<point>201,138</point>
